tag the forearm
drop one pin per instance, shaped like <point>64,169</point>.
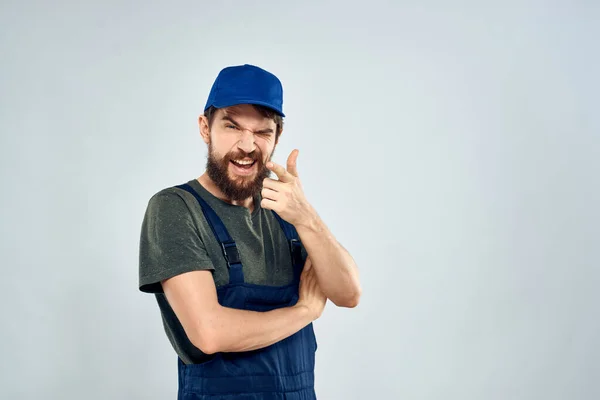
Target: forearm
<point>335,268</point>
<point>235,330</point>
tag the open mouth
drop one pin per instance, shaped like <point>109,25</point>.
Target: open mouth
<point>244,165</point>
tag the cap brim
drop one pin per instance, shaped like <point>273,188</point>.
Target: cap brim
<point>257,102</point>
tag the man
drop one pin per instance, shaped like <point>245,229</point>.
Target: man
<point>240,263</point>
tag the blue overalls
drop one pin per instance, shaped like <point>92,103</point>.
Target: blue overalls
<point>284,370</point>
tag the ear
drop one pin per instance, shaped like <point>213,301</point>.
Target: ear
<point>204,129</point>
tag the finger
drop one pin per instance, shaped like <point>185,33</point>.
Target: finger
<point>281,173</point>
<point>272,184</point>
<point>314,284</point>
<point>291,162</point>
<point>303,279</point>
<point>315,277</point>
<point>307,270</point>
<point>305,283</point>
<point>270,194</point>
<point>310,280</point>
<point>269,204</point>
<point>304,272</point>
<point>307,264</point>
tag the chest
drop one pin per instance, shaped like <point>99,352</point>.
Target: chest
<point>263,250</point>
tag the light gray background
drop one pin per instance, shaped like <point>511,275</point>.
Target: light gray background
<point>453,149</point>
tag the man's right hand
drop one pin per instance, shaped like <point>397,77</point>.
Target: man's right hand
<point>310,294</point>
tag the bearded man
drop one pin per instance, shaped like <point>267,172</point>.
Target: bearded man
<point>239,261</point>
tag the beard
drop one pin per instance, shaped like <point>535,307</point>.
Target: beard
<point>241,187</point>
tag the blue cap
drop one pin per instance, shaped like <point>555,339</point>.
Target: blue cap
<point>246,84</point>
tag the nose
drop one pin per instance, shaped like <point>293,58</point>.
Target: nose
<point>246,142</point>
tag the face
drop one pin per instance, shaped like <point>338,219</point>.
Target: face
<point>240,143</point>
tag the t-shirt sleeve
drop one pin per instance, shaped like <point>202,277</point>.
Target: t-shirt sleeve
<point>169,242</point>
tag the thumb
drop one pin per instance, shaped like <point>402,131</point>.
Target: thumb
<point>291,162</point>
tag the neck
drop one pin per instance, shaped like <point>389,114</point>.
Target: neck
<point>212,188</point>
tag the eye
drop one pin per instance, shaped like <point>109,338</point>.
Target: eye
<point>229,126</point>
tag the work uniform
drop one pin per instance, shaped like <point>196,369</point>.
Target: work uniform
<point>284,370</point>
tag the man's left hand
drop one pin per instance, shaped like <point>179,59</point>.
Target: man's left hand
<point>286,196</point>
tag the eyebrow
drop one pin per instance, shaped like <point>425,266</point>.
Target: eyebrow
<point>228,118</point>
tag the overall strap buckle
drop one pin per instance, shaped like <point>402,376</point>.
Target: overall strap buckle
<point>296,251</point>
<point>231,253</point>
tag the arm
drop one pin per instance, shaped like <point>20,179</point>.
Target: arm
<point>214,328</point>
<point>174,261</point>
<point>335,268</point>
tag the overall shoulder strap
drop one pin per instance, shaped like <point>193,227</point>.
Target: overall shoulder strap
<point>294,243</point>
<point>230,251</point>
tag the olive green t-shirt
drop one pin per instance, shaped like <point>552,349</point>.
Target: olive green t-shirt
<point>176,238</point>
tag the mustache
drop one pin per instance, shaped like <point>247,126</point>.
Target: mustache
<point>254,156</point>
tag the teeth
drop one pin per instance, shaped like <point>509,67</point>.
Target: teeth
<point>244,162</point>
